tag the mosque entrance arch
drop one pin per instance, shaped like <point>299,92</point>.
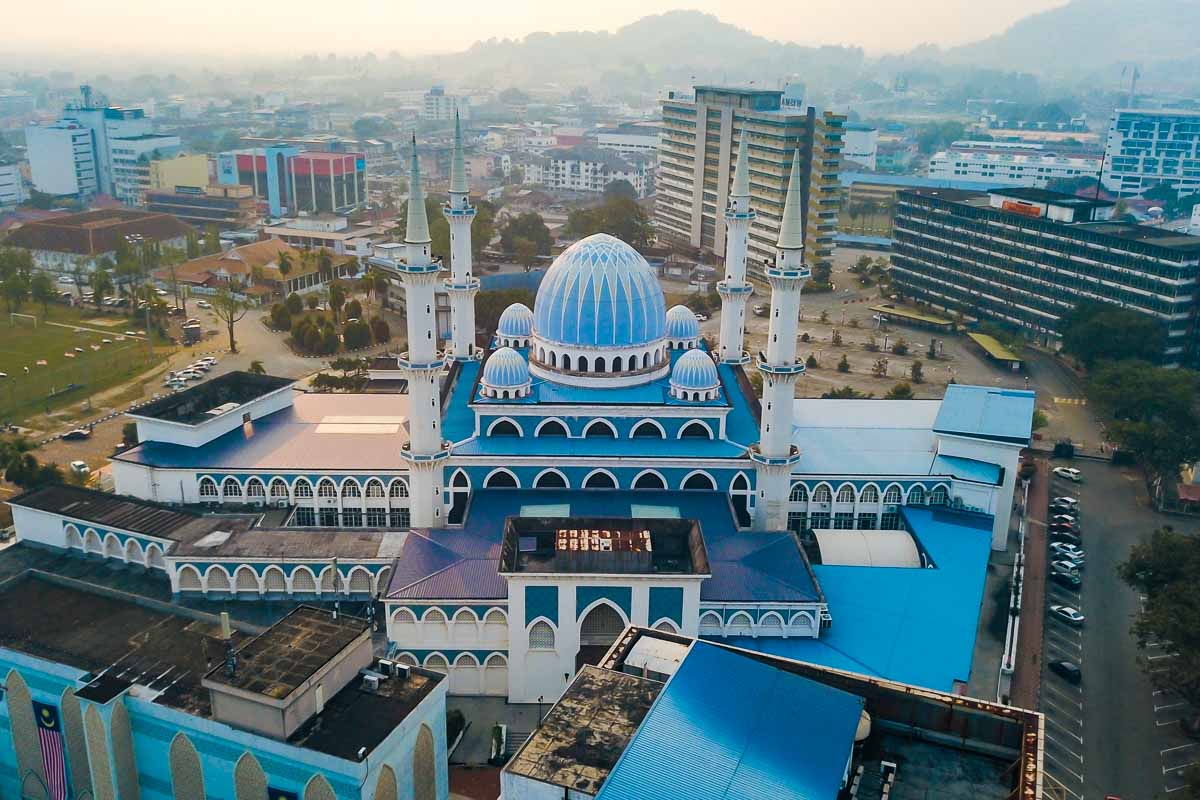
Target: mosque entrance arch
<point>598,630</point>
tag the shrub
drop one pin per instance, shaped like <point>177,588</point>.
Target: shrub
<point>353,310</point>
<point>917,371</point>
<point>294,304</point>
<point>356,335</point>
<point>312,301</point>
<point>281,318</point>
<point>804,337</point>
<point>380,331</point>
<point>312,340</point>
<point>900,347</point>
<point>843,365</point>
<point>329,341</point>
<point>811,361</point>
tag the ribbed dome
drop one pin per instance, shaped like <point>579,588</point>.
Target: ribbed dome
<point>600,293</point>
<point>516,321</point>
<point>505,369</point>
<point>695,370</point>
<point>682,323</point>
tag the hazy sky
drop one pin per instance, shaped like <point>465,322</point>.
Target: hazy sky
<point>228,27</point>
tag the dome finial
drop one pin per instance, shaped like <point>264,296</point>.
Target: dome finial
<point>791,230</point>
<point>741,173</point>
<point>458,167</point>
<point>417,229</point>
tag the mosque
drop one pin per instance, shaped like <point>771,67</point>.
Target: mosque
<point>599,465</point>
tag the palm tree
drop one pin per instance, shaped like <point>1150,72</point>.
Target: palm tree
<point>102,284</point>
<point>325,265</point>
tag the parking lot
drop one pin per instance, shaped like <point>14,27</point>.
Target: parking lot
<point>1115,733</point>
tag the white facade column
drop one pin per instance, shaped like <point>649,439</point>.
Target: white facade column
<point>462,285</point>
<point>735,291</point>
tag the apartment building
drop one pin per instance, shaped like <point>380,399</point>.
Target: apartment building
<point>1147,147</point>
<point>1011,163</point>
<point>12,185</point>
<point>587,169</point>
<point>62,159</point>
<point>1025,257</point>
<point>700,138</point>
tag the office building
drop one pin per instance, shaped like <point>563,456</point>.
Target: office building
<point>12,185</point>
<point>227,207</point>
<point>291,181</point>
<point>187,171</point>
<point>692,191</point>
<point>132,160</point>
<point>587,169</point>
<point>437,106</point>
<point>860,144</point>
<point>62,159</point>
<point>1010,164</point>
<point>1147,147</point>
<point>1024,257</point>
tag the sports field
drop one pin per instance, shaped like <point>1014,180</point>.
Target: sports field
<point>83,353</point>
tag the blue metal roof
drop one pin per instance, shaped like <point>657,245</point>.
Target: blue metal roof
<point>915,626</point>
<point>730,726</point>
<point>968,469</point>
<point>982,412</point>
<point>600,292</point>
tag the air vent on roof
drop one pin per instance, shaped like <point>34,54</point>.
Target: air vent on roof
<point>221,409</point>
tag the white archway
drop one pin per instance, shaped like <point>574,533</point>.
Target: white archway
<point>465,677</point>
<point>516,429</point>
<point>73,540</point>
<point>700,480</point>
<point>740,624</point>
<point>551,478</point>
<point>303,581</point>
<point>552,426</point>
<point>695,430</point>
<point>649,479</point>
<point>495,675</point>
<point>133,552</point>
<point>711,624</point>
<point>188,579</point>
<point>600,479</point>
<point>648,429</point>
<point>501,478</point>
<point>601,429</point>
<point>216,579</point>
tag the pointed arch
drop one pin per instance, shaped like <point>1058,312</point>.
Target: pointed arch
<point>551,478</point>
<point>303,581</point>
<point>648,429</point>
<point>245,581</point>
<point>916,495</point>
<point>249,780</point>
<point>133,552</point>
<point>327,488</point>
<point>375,489</point>
<point>894,495</point>
<point>112,546</point>
<point>740,624</point>
<point>216,579</point>
<point>739,483</point>
<point>541,635</point>
<point>398,489</point>
<point>650,479</point>
<point>231,489</point>
<point>770,624</point>
<point>382,580</point>
<point>350,488</point>
<point>799,493</point>
<point>869,494</point>
<point>279,489</point>
<point>465,675</point>
<point>208,489</point>
<point>24,726</point>
<point>501,478</point>
<point>255,490</point>
<point>76,742</point>
<point>823,493</point>
<point>695,430</point>
<point>424,767</point>
<point>801,624</point>
<point>318,788</point>
<point>274,581</point>
<point>600,429</point>
<point>92,542</point>
<point>120,734</point>
<point>187,778</point>
<point>940,496</point>
<point>437,662</point>
<point>600,479</point>
<point>385,785</point>
<point>846,493</point>
<point>666,625</point>
<point>711,624</point>
<point>552,426</point>
<point>73,539</point>
<point>403,627</point>
<point>505,426</point>
<point>154,557</point>
<point>360,580</point>
<point>699,480</point>
<point>331,581</point>
<point>495,675</point>
<point>188,579</point>
<point>303,488</point>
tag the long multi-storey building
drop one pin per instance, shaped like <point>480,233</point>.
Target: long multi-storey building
<point>1025,257</point>
<point>291,181</point>
<point>62,159</point>
<point>12,186</point>
<point>587,169</point>
<point>1010,163</point>
<point>700,138</point>
<point>1147,147</point>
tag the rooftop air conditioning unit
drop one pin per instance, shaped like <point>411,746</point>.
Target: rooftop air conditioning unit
<point>370,683</point>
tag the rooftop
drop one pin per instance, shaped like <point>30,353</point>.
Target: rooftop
<point>278,661</point>
<point>587,730</point>
<point>109,510</point>
<point>195,405</point>
<point>602,545</point>
<point>981,412</point>
<point>93,233</point>
<point>1050,197</point>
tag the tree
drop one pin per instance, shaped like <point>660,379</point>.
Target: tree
<point>80,276</point>
<point>312,301</point>
<point>1040,420</point>
<point>917,372</point>
<point>490,304</point>
<point>229,310</point>
<point>526,226</point>
<point>1094,332</point>
<point>356,335</point>
<point>284,263</point>
<point>843,365</point>
<point>43,291</point>
<point>811,362</point>
<point>900,348</point>
<point>381,332</point>
<point>337,299</point>
<point>845,393</point>
<point>281,318</point>
<point>293,303</point>
<point>901,391</point>
<point>212,240</point>
<point>101,285</point>
<point>617,216</point>
<point>620,188</point>
<point>525,252</point>
<point>24,470</point>
<point>354,310</point>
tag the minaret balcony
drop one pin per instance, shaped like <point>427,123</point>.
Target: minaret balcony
<point>407,364</point>
<point>463,285</point>
<point>800,273</point>
<point>431,268</point>
<point>451,213</point>
<point>725,287</point>
<point>424,459</point>
<point>758,457</point>
<point>780,370</point>
<point>742,358</point>
<point>731,215</point>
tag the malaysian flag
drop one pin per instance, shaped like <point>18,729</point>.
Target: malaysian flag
<point>54,760</point>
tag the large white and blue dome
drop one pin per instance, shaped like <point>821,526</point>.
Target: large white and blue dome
<point>515,326</point>
<point>694,377</point>
<point>599,317</point>
<point>683,329</point>
<point>505,375</point>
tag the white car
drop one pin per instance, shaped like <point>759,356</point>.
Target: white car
<point>1068,519</point>
<point>701,317</point>
<point>190,375</point>
<point>1067,550</point>
<point>176,385</point>
<point>203,304</point>
<point>1069,615</point>
<point>1065,501</point>
<point>80,467</point>
<point>1069,474</point>
<point>1065,565</point>
<point>212,362</point>
<point>199,366</point>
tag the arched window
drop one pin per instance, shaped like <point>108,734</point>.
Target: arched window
<point>375,488</point>
<point>649,480</point>
<point>711,625</point>
<point>504,427</point>
<point>599,480</point>
<point>739,625</point>
<point>870,494</point>
<point>541,636</point>
<point>647,429</point>
<point>666,626</point>
<point>231,488</point>
<point>350,489</point>
<point>916,495</point>
<point>326,488</point>
<point>770,625</point>
<point>189,579</point>
<point>600,429</point>
<point>500,479</point>
<point>255,489</point>
<point>939,496</point>
<point>279,489</point>
<point>398,489</point>
<point>695,430</point>
<point>550,479</point>
<point>892,496</point>
<point>208,488</point>
<point>799,493</point>
<point>551,427</point>
<point>845,494</point>
<point>303,488</point>
<point>700,480</point>
<point>424,766</point>
<point>822,494</point>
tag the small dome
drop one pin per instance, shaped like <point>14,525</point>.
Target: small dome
<point>695,371</point>
<point>515,322</point>
<point>682,324</point>
<point>505,369</point>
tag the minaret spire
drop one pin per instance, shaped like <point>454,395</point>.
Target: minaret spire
<point>775,455</point>
<point>417,230</point>
<point>462,285</point>
<point>735,291</point>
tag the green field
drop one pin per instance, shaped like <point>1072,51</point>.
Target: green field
<point>30,388</point>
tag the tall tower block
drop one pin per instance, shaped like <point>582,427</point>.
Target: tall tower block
<point>775,455</point>
<point>462,285</point>
<point>425,451</point>
<point>734,290</point>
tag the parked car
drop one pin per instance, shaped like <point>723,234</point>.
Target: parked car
<point>1065,536</point>
<point>191,321</point>
<point>1064,565</point>
<point>212,362</point>
<point>1067,551</point>
<point>198,366</point>
<point>203,304</point>
<point>77,434</point>
<point>1067,519</point>
<point>1071,580</point>
<point>80,468</point>
<point>1065,500</point>
<point>1067,670</point>
<point>1069,615</point>
<point>1069,474</point>
<point>761,310</point>
<point>176,384</point>
<point>701,317</point>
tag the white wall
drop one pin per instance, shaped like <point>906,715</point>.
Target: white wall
<point>518,787</point>
<point>1007,456</point>
<point>42,527</point>
<point>155,430</point>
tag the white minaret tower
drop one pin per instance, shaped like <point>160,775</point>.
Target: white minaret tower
<point>775,455</point>
<point>425,451</point>
<point>734,290</point>
<point>463,285</point>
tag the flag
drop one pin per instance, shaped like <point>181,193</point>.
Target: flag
<point>50,738</point>
<point>281,794</point>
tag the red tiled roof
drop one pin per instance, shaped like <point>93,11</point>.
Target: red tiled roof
<point>92,233</point>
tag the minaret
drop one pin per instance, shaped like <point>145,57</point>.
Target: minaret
<point>425,451</point>
<point>734,290</point>
<point>463,285</point>
<point>775,455</point>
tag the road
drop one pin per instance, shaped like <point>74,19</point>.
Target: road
<point>1103,737</point>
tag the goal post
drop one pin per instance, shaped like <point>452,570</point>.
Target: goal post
<point>14,317</point>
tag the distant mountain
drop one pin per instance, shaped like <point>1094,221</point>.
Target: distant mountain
<point>1086,35</point>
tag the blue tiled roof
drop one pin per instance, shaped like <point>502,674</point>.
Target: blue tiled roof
<point>694,369</point>
<point>730,726</point>
<point>915,626</point>
<point>682,323</point>
<point>982,412</point>
<point>462,564</point>
<point>506,368</point>
<point>516,320</point>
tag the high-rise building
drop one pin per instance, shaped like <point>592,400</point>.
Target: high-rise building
<point>132,160</point>
<point>291,181</point>
<point>12,186</point>
<point>62,159</point>
<point>693,191</point>
<point>1147,147</point>
<point>437,106</point>
<point>1025,257</point>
